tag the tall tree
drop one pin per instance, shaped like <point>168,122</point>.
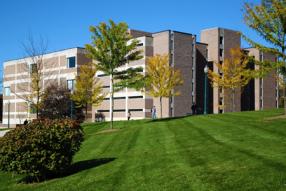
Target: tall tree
<point>88,89</point>
<point>161,78</point>
<point>112,47</point>
<point>233,73</point>
<point>33,66</point>
<point>268,19</point>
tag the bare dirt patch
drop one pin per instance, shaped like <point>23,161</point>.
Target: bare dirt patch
<point>275,117</point>
<point>108,131</point>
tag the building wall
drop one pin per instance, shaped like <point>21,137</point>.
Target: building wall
<point>161,45</point>
<point>127,100</point>
<point>17,77</point>
<point>184,61</point>
<point>201,62</point>
<point>230,39</point>
<point>266,96</point>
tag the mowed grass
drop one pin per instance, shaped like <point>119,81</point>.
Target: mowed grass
<point>235,151</point>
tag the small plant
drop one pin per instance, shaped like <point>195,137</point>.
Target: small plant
<point>40,149</point>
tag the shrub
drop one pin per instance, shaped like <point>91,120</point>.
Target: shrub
<point>41,148</point>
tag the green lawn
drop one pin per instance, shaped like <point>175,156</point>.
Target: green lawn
<point>4,129</point>
<point>239,151</point>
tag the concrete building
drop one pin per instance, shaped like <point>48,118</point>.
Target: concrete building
<point>259,93</point>
<point>59,67</point>
<point>186,54</point>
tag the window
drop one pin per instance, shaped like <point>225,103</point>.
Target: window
<point>71,62</point>
<point>105,86</point>
<point>119,98</point>
<point>33,68</point>
<point>220,52</point>
<point>33,109</point>
<point>101,75</point>
<point>135,110</point>
<point>70,84</point>
<point>7,91</point>
<point>119,110</point>
<point>220,40</point>
<point>140,44</point>
<point>135,97</point>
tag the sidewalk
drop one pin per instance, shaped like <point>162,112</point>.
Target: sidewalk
<point>2,133</point>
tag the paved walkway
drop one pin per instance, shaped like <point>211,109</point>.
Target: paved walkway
<point>2,133</point>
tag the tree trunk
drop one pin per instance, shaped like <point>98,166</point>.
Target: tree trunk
<point>111,102</point>
<point>85,112</point>
<point>233,102</point>
<point>284,98</point>
<point>284,83</point>
<point>161,107</point>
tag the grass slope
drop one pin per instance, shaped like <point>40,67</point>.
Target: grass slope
<point>239,151</point>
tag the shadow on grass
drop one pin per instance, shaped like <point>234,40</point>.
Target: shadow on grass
<point>73,169</point>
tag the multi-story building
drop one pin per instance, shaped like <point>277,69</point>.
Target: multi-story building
<point>59,67</point>
<point>259,93</point>
<point>185,54</point>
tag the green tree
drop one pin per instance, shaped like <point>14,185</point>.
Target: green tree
<point>161,78</point>
<point>268,19</point>
<point>88,89</point>
<point>113,47</point>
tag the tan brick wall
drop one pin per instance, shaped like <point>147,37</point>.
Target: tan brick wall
<point>231,39</point>
<point>51,63</point>
<point>183,52</point>
<point>22,107</point>
<point>211,37</point>
<point>22,87</point>
<point>63,61</point>
<point>22,67</point>
<point>10,69</point>
<point>161,46</point>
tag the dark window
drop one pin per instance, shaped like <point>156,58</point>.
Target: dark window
<point>33,68</point>
<point>220,40</point>
<point>220,101</point>
<point>220,52</point>
<point>102,75</point>
<point>33,109</point>
<point>135,97</point>
<point>119,98</point>
<point>119,110</point>
<point>140,44</point>
<point>135,109</point>
<point>71,62</point>
<point>102,110</point>
<point>106,98</point>
<point>105,86</point>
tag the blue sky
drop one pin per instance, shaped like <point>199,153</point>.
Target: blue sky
<point>65,23</point>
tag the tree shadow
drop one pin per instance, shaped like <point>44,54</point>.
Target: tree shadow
<point>73,169</point>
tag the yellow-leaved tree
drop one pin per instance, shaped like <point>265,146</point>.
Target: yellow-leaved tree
<point>233,73</point>
<point>161,78</point>
<point>88,89</point>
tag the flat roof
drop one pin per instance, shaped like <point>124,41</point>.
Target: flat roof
<point>49,52</point>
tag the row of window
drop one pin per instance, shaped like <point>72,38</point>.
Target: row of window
<point>70,85</point>
<point>129,97</point>
<point>118,110</point>
<point>71,63</point>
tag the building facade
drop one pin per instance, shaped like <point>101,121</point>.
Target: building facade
<point>185,54</point>
<point>59,67</point>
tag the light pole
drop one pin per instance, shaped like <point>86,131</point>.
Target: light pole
<point>8,114</point>
<point>206,70</point>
